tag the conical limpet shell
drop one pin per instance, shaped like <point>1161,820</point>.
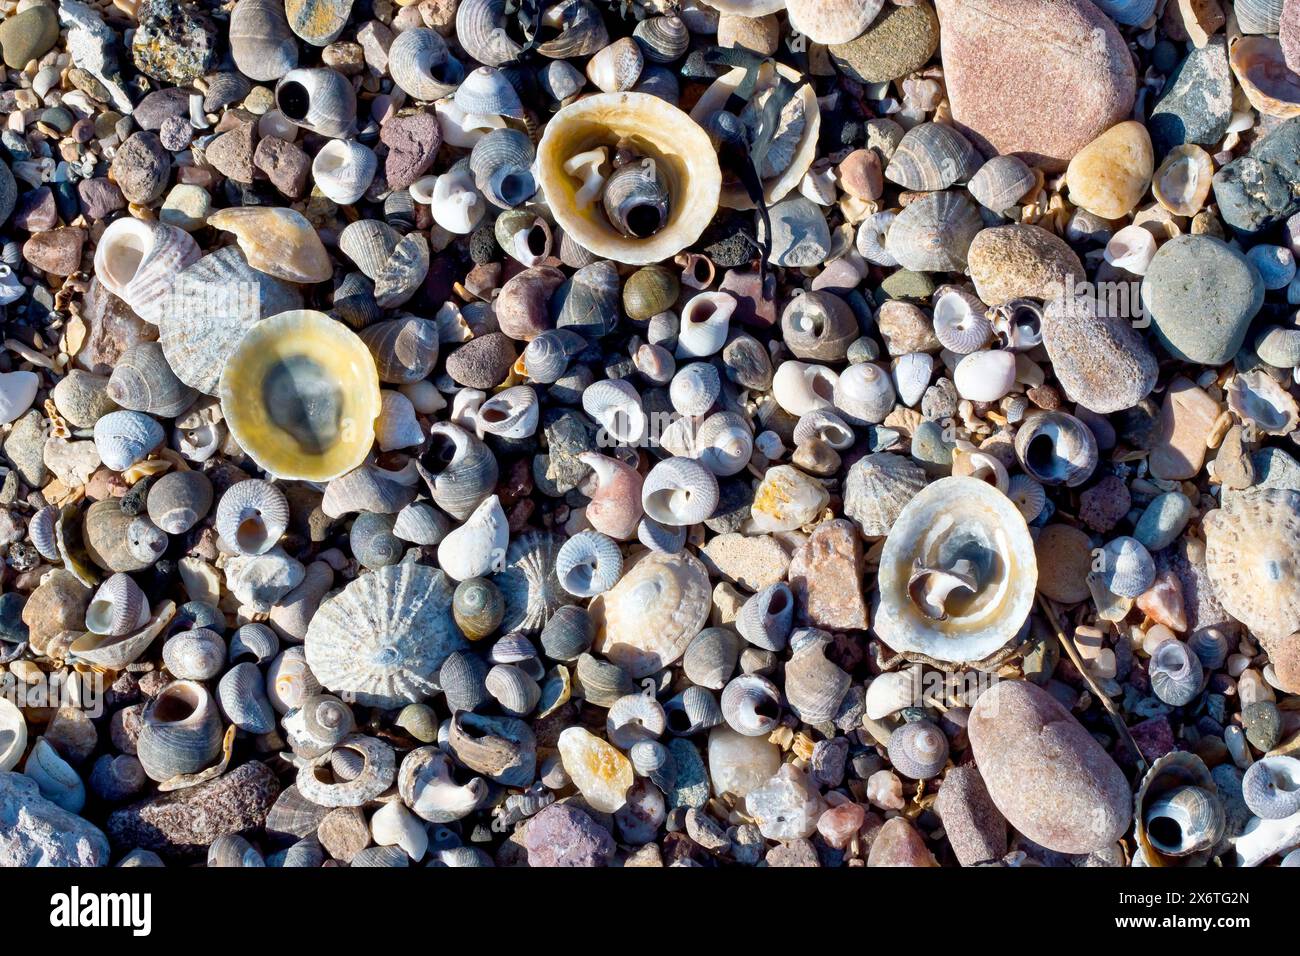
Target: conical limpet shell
<point>1251,547</point>
<point>1182,181</point>
<point>679,147</point>
<point>956,525</point>
<point>934,233</point>
<point>300,395</point>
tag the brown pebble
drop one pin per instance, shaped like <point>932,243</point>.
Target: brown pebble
<point>1064,561</point>
<point>861,176</point>
<point>142,168</point>
<point>57,251</point>
<point>482,362</point>
<point>284,163</point>
<point>899,844</point>
<point>412,142</point>
<point>826,577</point>
<point>100,198</point>
<point>232,152</point>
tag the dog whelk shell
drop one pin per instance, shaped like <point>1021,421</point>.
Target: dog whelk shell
<point>960,526</point>
<point>1251,544</point>
<point>477,546</point>
<point>384,636</point>
<point>300,394</point>
<point>648,618</point>
<point>658,131</point>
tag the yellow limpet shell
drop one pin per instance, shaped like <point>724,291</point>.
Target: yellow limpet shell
<point>653,128</point>
<point>300,394</point>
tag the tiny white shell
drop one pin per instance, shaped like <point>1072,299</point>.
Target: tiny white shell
<point>252,515</point>
<point>477,546</point>
<point>985,376</point>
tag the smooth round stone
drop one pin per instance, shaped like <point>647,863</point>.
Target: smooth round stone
<point>1045,773</point>
<point>800,235</point>
<point>28,35</point>
<point>1021,261</point>
<point>899,844</point>
<point>739,764</point>
<point>1163,520</point>
<point>1101,361</point>
<point>1110,175</point>
<point>186,207</point>
<point>1196,105</point>
<point>1201,294</point>
<point>899,41</point>
<point>1039,79</point>
<point>1064,560</point>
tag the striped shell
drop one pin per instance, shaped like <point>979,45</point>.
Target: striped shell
<point>119,607</point>
<point>512,689</point>
<point>959,322</point>
<point>1250,556</point>
<point>1002,182</point>
<point>344,169</point>
<point>695,388</point>
<point>679,491</point>
<point>255,642</point>
<point>932,156</point>
<point>180,731</point>
<point>819,326</point>
<point>252,515</point>
<point>458,468</point>
<point>751,705</point>
<point>528,582</point>
<point>487,92</point>
<point>934,233</point>
<point>1175,673</point>
<point>633,718</point>
<point>1271,787</point>
<point>481,32</point>
<point>724,443</point>
<point>918,750</point>
<point>568,634</point>
<point>422,66</point>
<point>143,381</point>
<point>864,394</point>
<point>814,686</point>
<point>196,654</point>
<point>124,438</point>
<point>138,262</point>
<point>384,636</point>
<point>589,563</point>
<point>41,531</point>
<point>242,695</point>
<point>662,39</point>
<point>877,489</point>
<point>1055,448</point>
<point>710,659</point>
<point>378,770</point>
<point>766,618</point>
<point>1127,570</point>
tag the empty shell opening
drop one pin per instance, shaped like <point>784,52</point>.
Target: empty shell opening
<point>778,604</point>
<point>1041,455</point>
<point>644,221</point>
<point>1165,831</point>
<point>440,453</point>
<point>294,100</point>
<point>678,721</point>
<point>822,384</point>
<point>123,260</point>
<point>538,239</point>
<point>251,534</point>
<point>175,705</point>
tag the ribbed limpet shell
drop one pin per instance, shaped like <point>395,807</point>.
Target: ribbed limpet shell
<point>645,622</point>
<point>962,528</point>
<point>1252,556</point>
<point>300,394</point>
<point>383,637</point>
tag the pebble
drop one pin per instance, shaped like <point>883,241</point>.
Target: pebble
<point>751,562</point>
<point>899,844</point>
<point>231,153</point>
<point>826,577</point>
<point>1110,175</point>
<point>1021,261</point>
<point>1255,191</point>
<point>172,43</point>
<point>57,251</point>
<point>482,362</point>
<point>37,832</point>
<point>412,143</point>
<point>24,446</point>
<point>284,163</point>
<point>100,198</point>
<point>1101,360</point>
<point>786,806</point>
<point>1040,80</point>
<point>1196,105</point>
<point>1186,419</point>
<point>141,168</point>
<point>563,835</point>
<point>186,207</point>
<point>899,41</point>
<point>1064,561</point>
<point>28,35</point>
<point>1047,775</point>
<point>975,829</point>
<point>800,235</point>
<point>82,398</point>
<point>1201,294</point>
<point>1105,504</point>
<point>739,764</point>
<point>1163,520</point>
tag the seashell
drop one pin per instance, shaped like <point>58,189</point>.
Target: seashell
<point>503,749</point>
<point>561,80</point>
<point>878,488</point>
<point>242,695</point>
<point>588,303</point>
<point>456,203</point>
<point>1259,16</point>
<point>819,326</point>
<point>261,580</point>
<point>1271,787</point>
<point>958,529</point>
<point>1056,449</point>
<point>180,731</point>
<point>422,66</point>
<point>370,488</point>
<point>404,349</point>
<point>1182,181</point>
<point>384,636</point>
<point>863,394</point>
<point>912,373</point>
<point>143,381</point>
<point>524,237</point>
<point>1175,827</point>
<point>693,710</point>
<point>1176,674</point>
<point>695,388</point>
<point>872,238</point>
<point>477,607</point>
<point>397,425</point>
<point>959,322</point>
<point>1002,182</point>
<point>660,132</point>
<point>891,692</point>
<point>751,705</point>
<point>232,850</point>
<point>179,500</point>
<point>1132,13</point>
<point>317,99</point>
<point>376,775</point>
<point>589,167</point>
<point>427,784</point>
<point>636,199</point>
<point>794,145</point>
<point>119,607</point>
<point>1131,249</point>
<point>1127,569</point>
<point>646,620</point>
<point>261,43</point>
<point>13,735</point>
<point>40,530</point>
<point>477,546</point>
<point>814,687</point>
<point>654,761</point>
<point>710,658</point>
<point>615,404</point>
<point>118,542</point>
<point>197,654</point>
<point>766,618</point>
<point>800,387</point>
<point>662,39</point>
<point>397,265</point>
<point>487,92</point>
<point>138,261</point>
<point>205,322</point>
<point>547,356</point>
<point>615,506</point>
<point>277,241</point>
<point>653,290</point>
<point>666,539</point>
<point>828,21</point>
<point>1260,67</point>
<point>380,856</point>
<point>510,413</point>
<point>70,537</point>
<point>589,563</point>
<point>421,524</point>
<point>319,724</point>
<point>724,443</point>
<point>124,438</point>
<point>514,691</point>
<point>521,305</point>
<point>319,22</point>
<point>679,491</point>
<point>372,540</point>
<point>528,583</point>
<point>918,750</point>
<point>343,169</point>
<point>458,468</point>
<point>616,67</point>
<point>1250,544</point>
<point>481,32</point>
<point>634,718</point>
<point>57,781</point>
<point>573,29</point>
<point>934,233</point>
<point>300,395</point>
<point>985,376</point>
<point>568,634</point>
<point>1259,401</point>
<point>933,156</point>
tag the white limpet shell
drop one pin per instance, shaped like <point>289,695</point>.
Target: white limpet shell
<point>715,98</point>
<point>654,128</point>
<point>17,392</point>
<point>1131,249</point>
<point>957,525</point>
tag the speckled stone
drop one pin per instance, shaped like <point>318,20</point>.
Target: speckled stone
<point>1289,34</point>
<point>691,785</point>
<point>1105,504</point>
<point>1196,103</point>
<point>1163,520</point>
<point>24,447</point>
<point>975,829</point>
<point>1201,294</point>
<point>899,844</point>
<point>1066,58</point>
<point>412,143</point>
<point>141,168</point>
<point>826,577</point>
<point>57,251</point>
<point>1284,653</point>
<point>231,153</point>
<point>563,835</point>
<point>1101,361</point>
<point>285,164</point>
<point>172,43</point>
<point>1021,261</point>
<point>180,825</point>
<point>751,562</point>
<point>794,853</point>
<point>900,40</point>
<point>1186,419</point>
<point>1046,774</point>
<point>100,197</point>
<point>1263,724</point>
<point>905,327</point>
<point>1256,191</point>
<point>482,362</point>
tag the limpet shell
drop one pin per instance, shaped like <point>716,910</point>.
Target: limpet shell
<point>1251,547</point>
